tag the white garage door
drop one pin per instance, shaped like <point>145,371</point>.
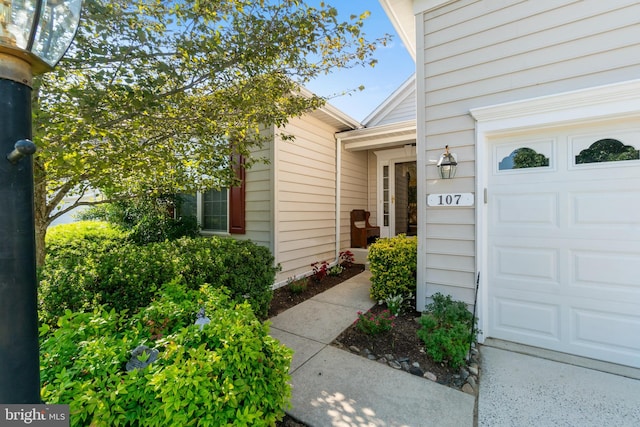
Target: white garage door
<point>564,242</point>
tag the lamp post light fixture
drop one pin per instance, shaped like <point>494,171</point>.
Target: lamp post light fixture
<point>447,164</point>
<point>34,35</point>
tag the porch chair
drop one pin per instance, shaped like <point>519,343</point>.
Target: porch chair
<point>361,231</point>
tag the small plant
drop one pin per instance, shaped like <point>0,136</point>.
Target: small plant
<point>346,259</point>
<point>394,304</point>
<point>336,270</point>
<point>320,270</point>
<point>446,329</point>
<point>373,324</point>
<point>298,286</point>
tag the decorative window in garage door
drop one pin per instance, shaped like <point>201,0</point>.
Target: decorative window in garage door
<point>524,155</point>
<point>607,150</point>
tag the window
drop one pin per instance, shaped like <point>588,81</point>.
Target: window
<point>607,150</point>
<point>523,158</point>
<point>221,211</point>
<point>215,210</point>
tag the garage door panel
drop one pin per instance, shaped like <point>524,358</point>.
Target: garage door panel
<point>605,272</point>
<point>605,335</point>
<point>622,209</point>
<point>593,328</point>
<point>525,265</point>
<point>537,320</point>
<point>532,210</point>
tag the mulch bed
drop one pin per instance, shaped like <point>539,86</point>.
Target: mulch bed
<point>284,299</point>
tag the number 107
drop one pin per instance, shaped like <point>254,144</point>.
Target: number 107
<point>449,199</point>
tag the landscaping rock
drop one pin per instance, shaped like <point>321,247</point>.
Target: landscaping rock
<point>416,371</point>
<point>354,349</point>
<point>430,376</point>
<point>468,389</point>
<point>394,364</point>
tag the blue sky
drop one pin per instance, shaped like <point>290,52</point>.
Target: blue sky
<point>393,68</point>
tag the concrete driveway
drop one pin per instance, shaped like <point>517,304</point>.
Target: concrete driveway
<point>522,390</point>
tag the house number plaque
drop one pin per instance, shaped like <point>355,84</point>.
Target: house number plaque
<point>451,199</point>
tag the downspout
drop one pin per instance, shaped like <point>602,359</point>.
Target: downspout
<point>338,196</point>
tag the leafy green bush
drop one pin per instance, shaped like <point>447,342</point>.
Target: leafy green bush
<point>128,276</point>
<point>147,219</point>
<point>229,372</point>
<point>393,265</point>
<point>71,265</point>
<point>79,238</point>
<point>445,329</point>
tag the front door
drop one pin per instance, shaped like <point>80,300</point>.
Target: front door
<point>397,192</point>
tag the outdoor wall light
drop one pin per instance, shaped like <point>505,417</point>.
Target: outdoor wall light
<point>34,35</point>
<point>447,164</point>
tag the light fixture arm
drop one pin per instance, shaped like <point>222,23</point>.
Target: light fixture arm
<point>22,148</point>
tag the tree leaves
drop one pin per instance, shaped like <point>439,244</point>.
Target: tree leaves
<point>157,95</point>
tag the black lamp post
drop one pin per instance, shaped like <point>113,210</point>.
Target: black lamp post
<point>34,35</point>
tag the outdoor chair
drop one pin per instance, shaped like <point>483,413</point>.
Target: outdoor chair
<point>362,232</point>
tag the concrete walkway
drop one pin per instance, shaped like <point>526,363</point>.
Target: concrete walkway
<point>333,387</point>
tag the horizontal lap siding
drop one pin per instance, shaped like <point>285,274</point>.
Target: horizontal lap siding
<point>353,194</point>
<point>405,110</point>
<point>306,196</point>
<point>258,196</point>
<point>484,52</point>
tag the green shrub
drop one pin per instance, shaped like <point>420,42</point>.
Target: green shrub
<point>72,262</point>
<point>230,372</point>
<point>445,329</point>
<point>148,219</point>
<point>79,238</point>
<point>393,265</point>
<point>128,276</point>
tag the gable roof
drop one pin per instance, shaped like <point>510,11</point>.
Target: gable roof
<point>331,115</point>
<point>399,106</point>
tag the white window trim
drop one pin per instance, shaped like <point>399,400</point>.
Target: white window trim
<point>200,211</point>
<point>600,103</point>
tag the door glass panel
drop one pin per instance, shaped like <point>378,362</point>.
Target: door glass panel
<point>523,158</point>
<point>385,196</point>
<point>607,150</point>
<point>406,206</point>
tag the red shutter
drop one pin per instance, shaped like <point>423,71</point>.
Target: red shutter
<point>236,201</point>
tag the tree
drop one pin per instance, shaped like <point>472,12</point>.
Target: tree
<point>155,95</point>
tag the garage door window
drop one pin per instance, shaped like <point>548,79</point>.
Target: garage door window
<point>523,158</point>
<point>607,150</point>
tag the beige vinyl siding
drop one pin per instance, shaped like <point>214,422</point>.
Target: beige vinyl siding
<point>403,110</point>
<point>373,188</point>
<point>305,200</point>
<point>482,52</point>
<point>258,196</point>
<point>353,193</point>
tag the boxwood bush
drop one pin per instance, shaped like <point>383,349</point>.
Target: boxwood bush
<point>229,372</point>
<point>393,265</point>
<point>128,276</point>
